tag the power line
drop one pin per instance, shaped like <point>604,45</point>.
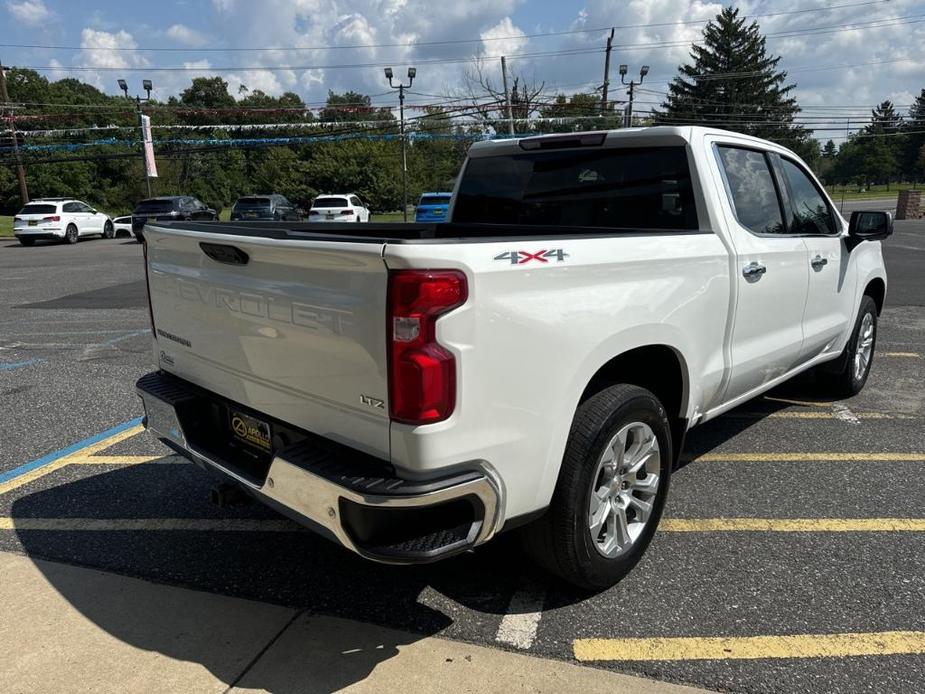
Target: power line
<point>833,28</point>
<point>450,42</point>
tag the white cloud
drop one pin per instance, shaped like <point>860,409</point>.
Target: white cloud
<point>503,39</point>
<point>29,12</point>
<point>184,35</point>
<point>109,50</point>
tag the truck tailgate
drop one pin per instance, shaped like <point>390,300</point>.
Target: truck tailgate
<point>294,329</point>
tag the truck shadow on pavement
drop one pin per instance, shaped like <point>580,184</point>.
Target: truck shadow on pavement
<point>295,570</point>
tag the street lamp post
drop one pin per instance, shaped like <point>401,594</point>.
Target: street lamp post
<point>401,115</point>
<point>147,86</point>
<point>643,71</point>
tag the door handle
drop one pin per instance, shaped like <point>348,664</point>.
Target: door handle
<point>754,271</point>
<point>819,262</point>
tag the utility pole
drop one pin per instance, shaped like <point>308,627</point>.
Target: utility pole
<point>643,71</point>
<point>20,171</point>
<point>606,73</point>
<point>147,86</point>
<point>507,97</point>
<point>401,111</point>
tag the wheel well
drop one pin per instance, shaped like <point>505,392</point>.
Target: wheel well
<point>656,368</point>
<point>876,290</point>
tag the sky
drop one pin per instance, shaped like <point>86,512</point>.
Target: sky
<point>857,54</point>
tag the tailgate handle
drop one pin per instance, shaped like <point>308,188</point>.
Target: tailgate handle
<point>230,255</point>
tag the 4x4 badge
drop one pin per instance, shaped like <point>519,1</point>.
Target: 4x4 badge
<point>522,257</point>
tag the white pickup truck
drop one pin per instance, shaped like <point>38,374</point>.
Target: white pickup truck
<point>412,390</point>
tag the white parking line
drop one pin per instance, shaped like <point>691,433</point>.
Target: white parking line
<point>519,626</point>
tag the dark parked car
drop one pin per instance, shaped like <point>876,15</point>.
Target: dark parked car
<point>169,209</point>
<point>270,206</point>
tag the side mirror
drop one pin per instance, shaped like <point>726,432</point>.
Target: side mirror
<point>870,225</point>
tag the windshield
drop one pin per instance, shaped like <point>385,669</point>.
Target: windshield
<point>154,207</point>
<point>38,209</point>
<point>638,188</point>
<point>434,200</point>
<point>330,202</point>
<point>251,203</point>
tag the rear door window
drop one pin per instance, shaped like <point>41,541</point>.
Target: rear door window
<point>751,187</point>
<point>626,188</point>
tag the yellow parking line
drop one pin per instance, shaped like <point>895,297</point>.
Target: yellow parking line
<point>134,524</point>
<point>803,403</point>
<point>799,457</point>
<point>906,355</point>
<point>752,647</point>
<point>792,525</point>
<point>22,480</point>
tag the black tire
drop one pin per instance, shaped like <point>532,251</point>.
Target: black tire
<point>26,242</point>
<point>843,377</point>
<point>71,235</point>
<point>561,541</point>
<point>109,231</point>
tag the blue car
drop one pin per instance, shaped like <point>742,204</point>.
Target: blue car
<point>432,207</point>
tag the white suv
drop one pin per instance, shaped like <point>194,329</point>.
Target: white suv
<point>62,219</point>
<point>338,208</point>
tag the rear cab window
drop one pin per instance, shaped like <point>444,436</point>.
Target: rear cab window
<point>611,188</point>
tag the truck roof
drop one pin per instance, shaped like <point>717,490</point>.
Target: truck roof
<point>653,135</point>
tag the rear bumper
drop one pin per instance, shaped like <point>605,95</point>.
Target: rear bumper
<point>39,233</point>
<point>351,498</point>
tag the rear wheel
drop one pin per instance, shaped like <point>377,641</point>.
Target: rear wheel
<point>26,241</point>
<point>71,235</point>
<point>847,375</point>
<point>611,490</point>
<point>109,231</point>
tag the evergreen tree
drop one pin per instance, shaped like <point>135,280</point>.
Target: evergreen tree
<point>914,140</point>
<point>884,119</point>
<point>733,83</point>
<point>829,151</point>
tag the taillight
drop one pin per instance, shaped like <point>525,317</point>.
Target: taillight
<point>346,211</point>
<point>144,247</point>
<point>53,218</point>
<point>422,373</point>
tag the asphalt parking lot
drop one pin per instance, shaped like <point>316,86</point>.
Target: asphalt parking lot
<point>791,558</point>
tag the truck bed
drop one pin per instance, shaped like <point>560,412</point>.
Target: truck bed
<point>390,232</point>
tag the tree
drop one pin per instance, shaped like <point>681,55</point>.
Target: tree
<point>352,107</point>
<point>829,151</point>
<point>577,112</point>
<point>732,82</point>
<point>487,98</point>
<point>914,139</point>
